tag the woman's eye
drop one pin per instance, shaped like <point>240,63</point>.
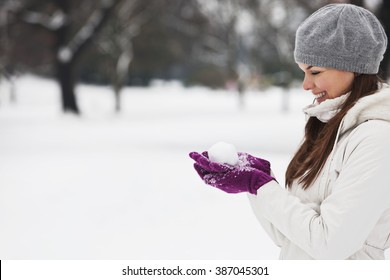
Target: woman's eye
<point>315,72</point>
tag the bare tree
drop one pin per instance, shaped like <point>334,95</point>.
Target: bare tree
<point>220,45</point>
<point>225,44</point>
<point>71,37</point>
<point>116,42</point>
<point>7,70</point>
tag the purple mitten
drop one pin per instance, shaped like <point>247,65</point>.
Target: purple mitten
<point>246,159</point>
<point>231,179</point>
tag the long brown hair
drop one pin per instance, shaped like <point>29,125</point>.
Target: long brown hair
<point>319,137</point>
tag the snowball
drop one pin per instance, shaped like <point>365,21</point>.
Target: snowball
<point>222,152</point>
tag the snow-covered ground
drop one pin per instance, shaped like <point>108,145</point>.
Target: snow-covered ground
<point>121,186</point>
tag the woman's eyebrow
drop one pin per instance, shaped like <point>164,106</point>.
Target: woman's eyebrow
<point>308,67</point>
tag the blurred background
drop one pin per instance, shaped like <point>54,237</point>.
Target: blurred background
<point>217,44</point>
<point>102,100</point>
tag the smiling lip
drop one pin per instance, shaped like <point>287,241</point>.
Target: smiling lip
<point>320,97</point>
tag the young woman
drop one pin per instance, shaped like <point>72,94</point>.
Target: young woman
<point>336,204</point>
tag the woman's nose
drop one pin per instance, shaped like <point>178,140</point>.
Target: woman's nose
<point>307,83</point>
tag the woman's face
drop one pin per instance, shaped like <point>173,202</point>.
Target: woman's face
<point>326,83</point>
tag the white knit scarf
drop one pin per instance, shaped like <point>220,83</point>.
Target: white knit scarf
<point>325,110</point>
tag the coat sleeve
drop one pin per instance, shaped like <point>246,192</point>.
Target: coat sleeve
<point>360,195</point>
<point>277,237</point>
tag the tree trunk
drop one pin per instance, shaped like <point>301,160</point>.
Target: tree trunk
<point>12,89</point>
<point>64,67</point>
<point>66,80</point>
<point>117,101</point>
<point>66,64</point>
<point>117,86</point>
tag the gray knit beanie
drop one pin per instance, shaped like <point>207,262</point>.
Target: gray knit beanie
<point>341,36</point>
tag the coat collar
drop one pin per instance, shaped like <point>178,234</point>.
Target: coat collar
<point>371,107</point>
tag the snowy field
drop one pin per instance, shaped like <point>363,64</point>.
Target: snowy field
<point>121,186</point>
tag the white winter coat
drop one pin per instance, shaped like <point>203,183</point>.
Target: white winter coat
<point>345,213</point>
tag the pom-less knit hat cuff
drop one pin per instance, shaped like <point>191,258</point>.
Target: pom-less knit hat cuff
<point>350,65</point>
